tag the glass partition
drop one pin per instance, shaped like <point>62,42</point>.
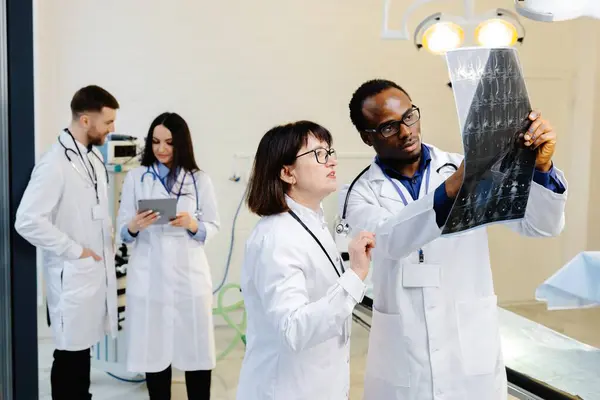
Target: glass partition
<point>5,229</point>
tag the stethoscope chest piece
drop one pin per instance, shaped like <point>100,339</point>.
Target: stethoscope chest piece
<point>342,229</point>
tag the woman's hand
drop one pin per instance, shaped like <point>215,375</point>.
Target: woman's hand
<point>360,253</point>
<point>142,220</point>
<point>185,220</point>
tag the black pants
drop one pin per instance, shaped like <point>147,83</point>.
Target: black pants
<point>197,384</point>
<point>70,375</point>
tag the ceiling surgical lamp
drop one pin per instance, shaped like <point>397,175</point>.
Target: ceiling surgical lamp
<point>440,32</point>
<point>557,10</point>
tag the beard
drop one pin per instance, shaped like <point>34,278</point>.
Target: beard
<point>403,159</point>
<point>410,159</point>
<point>95,138</point>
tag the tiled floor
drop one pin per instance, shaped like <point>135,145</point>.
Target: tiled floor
<point>582,325</point>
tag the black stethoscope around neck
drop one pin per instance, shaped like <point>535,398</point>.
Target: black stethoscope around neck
<point>343,228</point>
<point>93,177</point>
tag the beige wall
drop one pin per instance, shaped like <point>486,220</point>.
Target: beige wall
<point>233,69</point>
<point>593,242</point>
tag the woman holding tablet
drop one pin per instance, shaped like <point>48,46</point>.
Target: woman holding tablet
<point>169,287</point>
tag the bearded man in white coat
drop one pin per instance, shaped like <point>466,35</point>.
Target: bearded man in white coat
<point>64,211</point>
<point>435,332</point>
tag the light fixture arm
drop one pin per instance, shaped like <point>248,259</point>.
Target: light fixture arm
<point>469,9</point>
<point>403,33</point>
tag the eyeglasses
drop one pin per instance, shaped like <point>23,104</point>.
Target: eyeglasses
<point>391,128</point>
<point>322,155</point>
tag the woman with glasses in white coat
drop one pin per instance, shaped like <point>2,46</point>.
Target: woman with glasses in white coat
<point>298,298</point>
<point>169,286</point>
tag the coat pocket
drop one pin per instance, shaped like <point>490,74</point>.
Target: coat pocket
<point>80,278</point>
<point>479,335</point>
<point>387,358</point>
<point>139,269</point>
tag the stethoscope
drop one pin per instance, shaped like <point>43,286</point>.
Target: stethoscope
<point>93,178</point>
<point>342,228</point>
<point>150,170</point>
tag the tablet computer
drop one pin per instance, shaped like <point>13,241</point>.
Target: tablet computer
<point>167,208</point>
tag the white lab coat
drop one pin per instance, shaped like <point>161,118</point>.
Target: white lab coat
<point>439,338</point>
<point>299,311</point>
<point>56,215</point>
<point>168,319</point>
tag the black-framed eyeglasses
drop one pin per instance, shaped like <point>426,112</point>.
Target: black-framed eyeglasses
<point>322,155</point>
<point>391,128</point>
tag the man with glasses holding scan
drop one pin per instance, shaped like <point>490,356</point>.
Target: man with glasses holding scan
<point>434,331</point>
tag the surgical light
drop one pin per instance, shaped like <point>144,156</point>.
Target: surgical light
<point>557,10</point>
<point>441,32</point>
<point>496,33</point>
<point>443,36</point>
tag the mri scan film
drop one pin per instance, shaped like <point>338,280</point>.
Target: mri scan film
<point>493,108</point>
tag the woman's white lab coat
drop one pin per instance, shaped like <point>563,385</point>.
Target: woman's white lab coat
<point>435,330</point>
<point>57,215</point>
<point>299,311</point>
<point>168,318</point>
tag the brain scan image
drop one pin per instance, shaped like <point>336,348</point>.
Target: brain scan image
<point>493,108</point>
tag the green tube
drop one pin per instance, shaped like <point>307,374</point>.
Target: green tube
<point>223,312</point>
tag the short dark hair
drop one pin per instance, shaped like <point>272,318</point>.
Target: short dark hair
<point>183,148</point>
<point>366,90</point>
<point>92,98</point>
<point>278,148</point>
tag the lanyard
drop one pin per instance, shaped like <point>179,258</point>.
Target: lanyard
<point>93,178</point>
<point>293,214</point>
<point>427,174</point>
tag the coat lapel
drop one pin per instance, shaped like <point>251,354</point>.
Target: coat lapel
<point>75,161</point>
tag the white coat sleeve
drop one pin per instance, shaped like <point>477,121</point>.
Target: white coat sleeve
<point>545,212</point>
<point>208,203</point>
<point>281,284</point>
<point>34,215</point>
<point>127,208</point>
<point>399,234</point>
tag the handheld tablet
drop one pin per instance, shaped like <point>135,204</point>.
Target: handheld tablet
<point>167,208</point>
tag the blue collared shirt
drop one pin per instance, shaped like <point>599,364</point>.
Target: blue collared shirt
<point>442,204</point>
<point>163,172</point>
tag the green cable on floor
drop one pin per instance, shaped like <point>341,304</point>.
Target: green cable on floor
<point>223,312</point>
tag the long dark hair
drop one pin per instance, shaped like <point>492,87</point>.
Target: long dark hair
<point>278,148</point>
<point>183,149</point>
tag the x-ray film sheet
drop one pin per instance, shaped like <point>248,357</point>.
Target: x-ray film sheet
<point>493,108</point>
